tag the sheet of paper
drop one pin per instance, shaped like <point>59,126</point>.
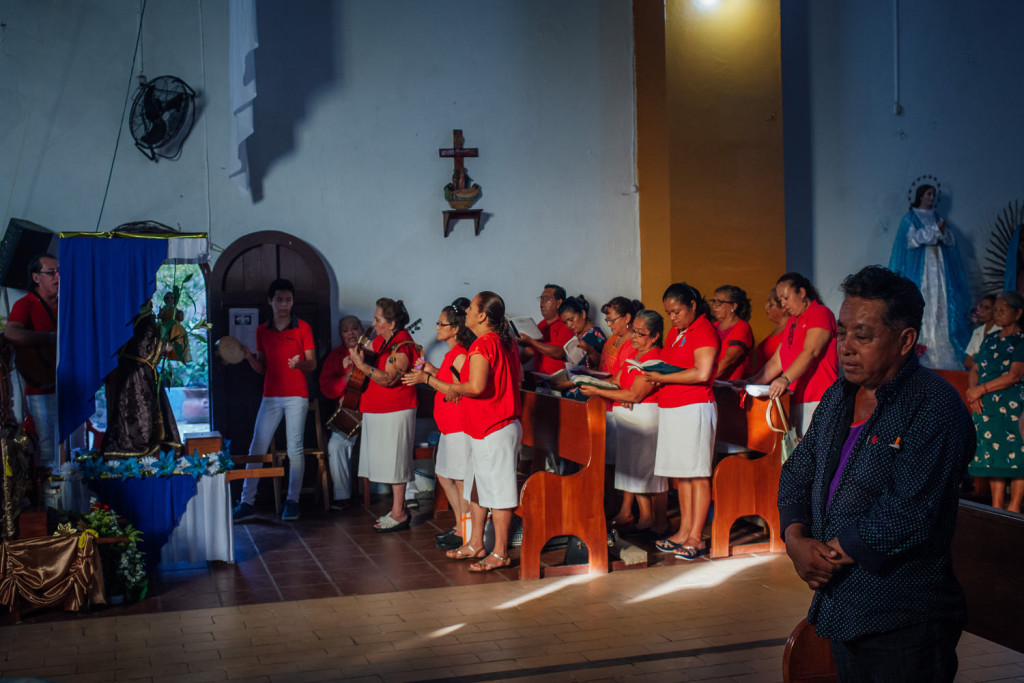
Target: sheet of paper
<point>242,324</point>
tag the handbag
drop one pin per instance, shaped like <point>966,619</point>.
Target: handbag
<point>790,440</point>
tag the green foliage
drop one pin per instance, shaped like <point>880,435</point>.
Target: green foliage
<point>187,287</point>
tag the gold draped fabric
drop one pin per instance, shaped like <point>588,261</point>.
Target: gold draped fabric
<point>46,571</point>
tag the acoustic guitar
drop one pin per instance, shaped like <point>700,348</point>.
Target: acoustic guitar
<point>346,418</point>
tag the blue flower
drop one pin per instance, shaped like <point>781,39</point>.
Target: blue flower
<point>167,463</point>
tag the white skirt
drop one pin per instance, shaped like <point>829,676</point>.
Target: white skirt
<point>686,440</point>
<point>492,467</point>
<point>610,442</point>
<point>637,443</point>
<point>385,455</point>
<point>453,455</point>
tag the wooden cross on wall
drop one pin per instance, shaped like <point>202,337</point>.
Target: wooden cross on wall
<point>458,151</point>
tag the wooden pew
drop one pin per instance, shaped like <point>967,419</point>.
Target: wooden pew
<point>746,484</point>
<point>572,505</point>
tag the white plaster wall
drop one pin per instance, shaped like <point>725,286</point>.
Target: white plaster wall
<point>850,160</point>
<point>355,99</point>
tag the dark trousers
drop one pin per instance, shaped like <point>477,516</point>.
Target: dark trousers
<point>924,652</point>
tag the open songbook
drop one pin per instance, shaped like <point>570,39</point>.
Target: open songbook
<point>578,375</point>
<point>525,325</point>
<point>574,355</point>
<point>654,365</point>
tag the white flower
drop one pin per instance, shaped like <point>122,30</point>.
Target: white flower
<point>988,435</point>
<point>182,464</point>
<point>70,469</point>
<point>113,464</point>
<point>995,447</point>
<point>213,468</point>
<point>1003,410</point>
<point>148,464</point>
<point>1013,404</point>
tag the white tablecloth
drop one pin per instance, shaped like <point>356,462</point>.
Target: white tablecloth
<point>205,531</point>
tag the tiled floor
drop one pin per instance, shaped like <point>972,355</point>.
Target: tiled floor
<point>722,620</point>
<point>321,555</point>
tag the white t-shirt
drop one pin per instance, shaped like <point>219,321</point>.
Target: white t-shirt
<point>976,338</point>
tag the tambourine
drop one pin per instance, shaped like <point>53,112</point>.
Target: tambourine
<point>230,350</point>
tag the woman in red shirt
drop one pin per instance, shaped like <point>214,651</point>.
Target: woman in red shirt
<point>777,314</point>
<point>687,415</point>
<point>389,410</point>
<point>452,458</point>
<point>491,404</point>
<point>636,431</point>
<point>806,361</point>
<point>731,309</point>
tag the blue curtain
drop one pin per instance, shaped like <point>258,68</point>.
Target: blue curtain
<point>103,283</point>
<point>154,505</point>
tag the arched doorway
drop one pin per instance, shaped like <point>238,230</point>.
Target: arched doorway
<point>240,280</point>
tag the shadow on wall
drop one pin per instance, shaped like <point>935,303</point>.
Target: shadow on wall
<point>294,61</point>
<point>796,122</point>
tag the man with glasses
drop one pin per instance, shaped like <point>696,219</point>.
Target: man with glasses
<point>32,329</point>
<point>549,350</point>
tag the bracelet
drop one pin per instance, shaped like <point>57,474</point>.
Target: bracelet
<point>783,376</point>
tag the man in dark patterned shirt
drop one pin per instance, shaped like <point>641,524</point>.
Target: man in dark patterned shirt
<point>868,500</point>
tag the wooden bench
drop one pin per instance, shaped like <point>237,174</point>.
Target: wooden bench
<point>573,505</point>
<point>746,484</point>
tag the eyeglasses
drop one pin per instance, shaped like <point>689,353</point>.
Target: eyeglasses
<point>545,297</point>
<point>719,302</point>
<point>50,273</point>
<point>441,324</point>
<point>609,321</point>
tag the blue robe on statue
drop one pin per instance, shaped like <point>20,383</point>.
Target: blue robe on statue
<point>932,260</point>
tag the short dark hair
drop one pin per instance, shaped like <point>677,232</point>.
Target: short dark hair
<point>280,285</point>
<point>559,291</point>
<point>35,266</point>
<point>904,305</point>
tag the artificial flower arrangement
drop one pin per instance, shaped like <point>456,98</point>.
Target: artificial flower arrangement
<point>89,465</point>
<point>124,564</point>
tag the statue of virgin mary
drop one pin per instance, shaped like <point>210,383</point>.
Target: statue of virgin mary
<point>925,251</point>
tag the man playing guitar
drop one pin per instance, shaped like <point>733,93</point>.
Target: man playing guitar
<point>32,329</point>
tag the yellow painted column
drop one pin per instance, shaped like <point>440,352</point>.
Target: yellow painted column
<point>719,123</point>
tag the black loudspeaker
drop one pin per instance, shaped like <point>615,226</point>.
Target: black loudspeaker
<point>22,242</point>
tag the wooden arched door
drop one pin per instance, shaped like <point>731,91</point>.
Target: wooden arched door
<point>240,280</point>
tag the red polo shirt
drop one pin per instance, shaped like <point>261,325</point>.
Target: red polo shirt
<point>501,403</point>
<point>678,351</point>
<point>333,375</point>
<point>823,370</point>
<point>555,333</point>
<point>448,414</point>
<point>277,347</point>
<point>30,312</point>
<point>380,399</point>
<point>741,333</point>
<point>631,374</point>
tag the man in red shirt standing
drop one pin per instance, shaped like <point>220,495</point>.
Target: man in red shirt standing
<point>33,327</point>
<point>549,350</point>
<point>284,354</point>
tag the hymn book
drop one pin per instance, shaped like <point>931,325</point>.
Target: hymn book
<point>655,365</point>
<point>526,326</point>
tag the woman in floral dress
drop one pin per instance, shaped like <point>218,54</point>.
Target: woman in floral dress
<point>994,397</point>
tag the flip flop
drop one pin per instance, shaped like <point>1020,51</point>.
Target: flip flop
<point>387,524</point>
<point>691,552</point>
<point>667,546</point>
<point>485,566</point>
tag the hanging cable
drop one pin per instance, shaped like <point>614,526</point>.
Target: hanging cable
<point>206,128</point>
<point>124,110</point>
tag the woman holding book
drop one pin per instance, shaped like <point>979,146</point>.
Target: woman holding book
<point>731,308</point>
<point>589,338</point>
<point>635,411</point>
<point>389,409</point>
<point>491,404</point>
<point>687,415</point>
<point>452,458</point>
<point>806,361</point>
